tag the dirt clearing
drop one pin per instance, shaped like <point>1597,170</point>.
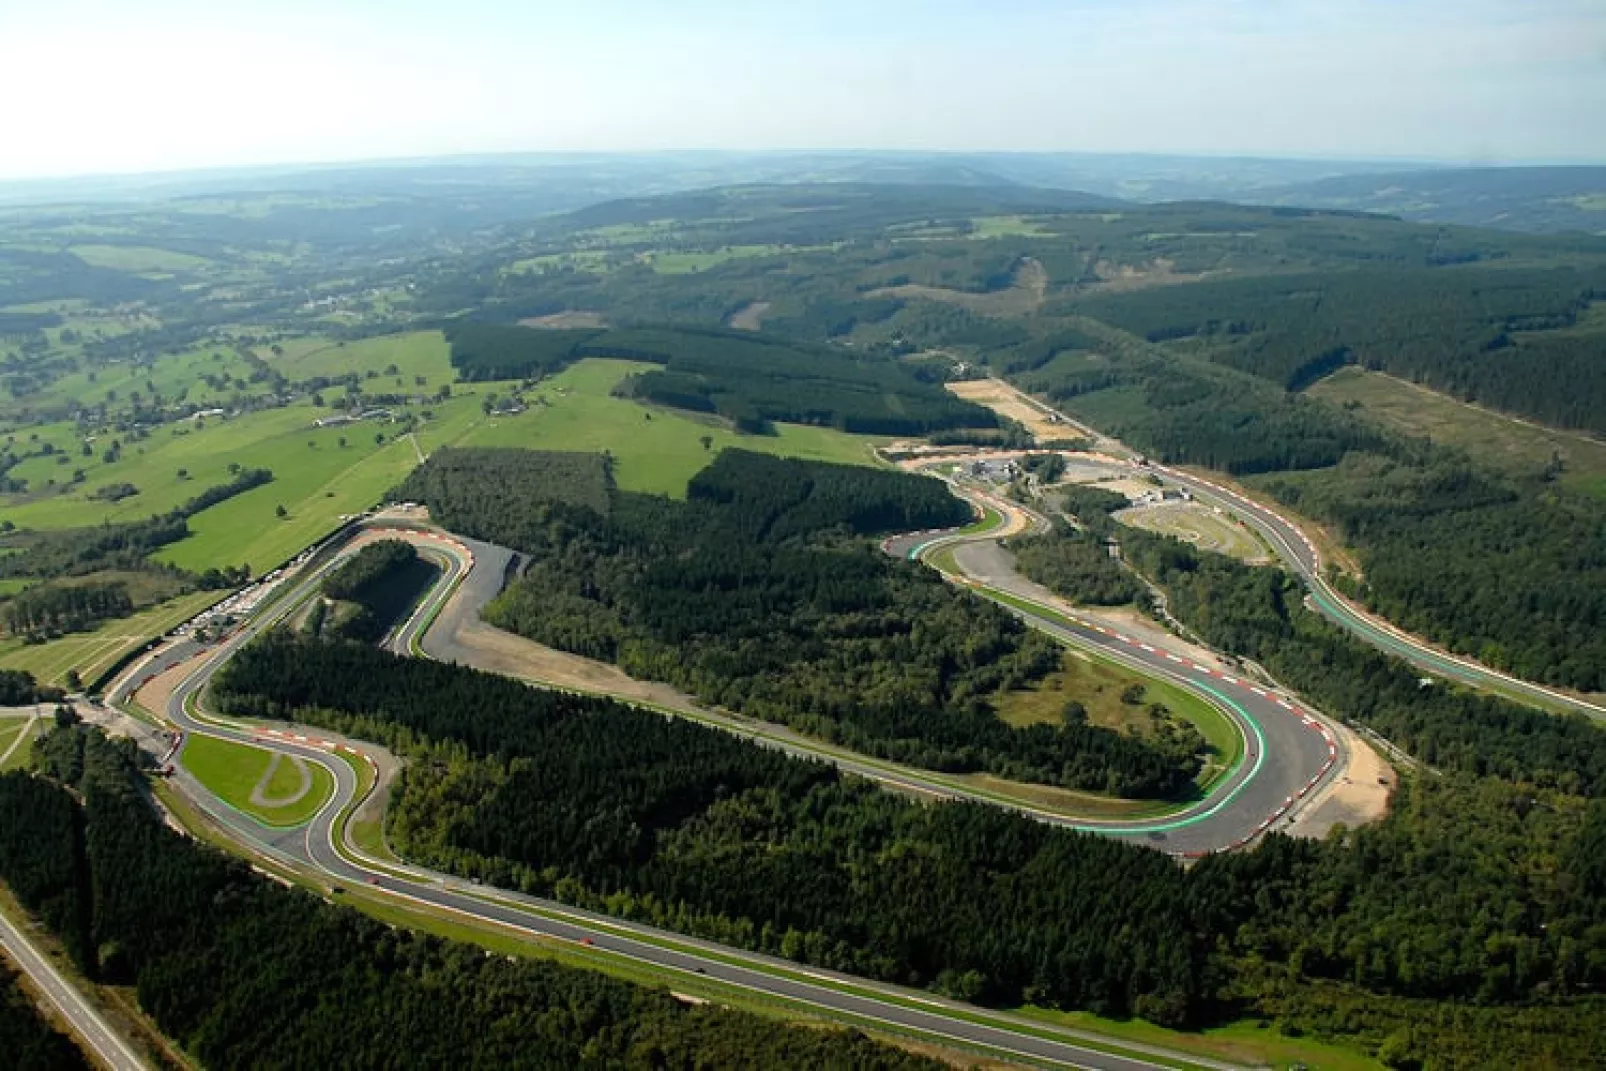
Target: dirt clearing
<point>559,321</point>
<point>1004,400</point>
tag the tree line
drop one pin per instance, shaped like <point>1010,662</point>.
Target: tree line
<point>1480,334</point>
<point>758,594</point>
<point>240,971</point>
<point>665,821</point>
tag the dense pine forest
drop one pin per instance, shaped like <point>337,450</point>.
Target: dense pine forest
<point>756,594</point>
<point>1437,931</point>
<point>28,1041</point>
<point>240,971</point>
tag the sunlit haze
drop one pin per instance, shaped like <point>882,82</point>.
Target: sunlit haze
<point>112,86</point>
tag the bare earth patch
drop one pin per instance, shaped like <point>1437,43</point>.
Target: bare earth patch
<point>558,321</point>
<point>1004,401</point>
<point>749,317</point>
<point>514,656</point>
<point>1360,795</point>
<point>1161,271</point>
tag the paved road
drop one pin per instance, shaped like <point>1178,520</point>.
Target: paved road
<point>314,846</point>
<point>1288,751</point>
<point>84,1020</point>
<point>1296,550</point>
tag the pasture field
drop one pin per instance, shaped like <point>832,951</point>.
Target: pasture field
<point>1201,525</point>
<point>671,263</point>
<point>137,258</point>
<point>656,450</point>
<point>233,772</point>
<point>416,353</point>
<point>20,749</point>
<point>1493,439</point>
<point>92,653</point>
<point>275,439</point>
<point>317,485</point>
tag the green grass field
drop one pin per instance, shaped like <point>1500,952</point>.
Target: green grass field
<point>136,258</point>
<point>1245,1042</point>
<point>318,481</point>
<point>1220,733</point>
<point>232,771</point>
<point>1497,441</point>
<point>92,653</point>
<point>22,756</point>
<point>656,450</point>
<point>417,353</point>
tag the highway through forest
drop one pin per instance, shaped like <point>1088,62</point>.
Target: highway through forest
<point>105,1043</point>
<point>323,848</point>
<point>1298,552</point>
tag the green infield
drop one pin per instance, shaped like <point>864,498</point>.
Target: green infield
<point>92,653</point>
<point>270,788</point>
<point>1226,743</point>
<point>655,450</point>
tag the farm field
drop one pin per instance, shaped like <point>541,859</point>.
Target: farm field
<point>137,258</point>
<point>655,450</point>
<point>317,485</point>
<point>1490,438</point>
<point>251,780</point>
<point>416,353</point>
<point>92,653</point>
<point>276,439</point>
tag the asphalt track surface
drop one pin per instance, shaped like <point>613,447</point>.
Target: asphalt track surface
<point>1288,751</point>
<point>313,847</point>
<point>1299,554</point>
<point>68,1002</point>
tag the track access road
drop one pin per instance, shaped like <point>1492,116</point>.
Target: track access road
<point>321,848</point>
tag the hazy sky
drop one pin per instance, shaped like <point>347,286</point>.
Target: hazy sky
<point>128,85</point>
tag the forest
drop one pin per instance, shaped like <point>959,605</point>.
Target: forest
<point>748,378</point>
<point>1467,331</point>
<point>689,827</point>
<point>238,970</point>
<point>1428,527</point>
<point>371,591</point>
<point>1438,932</point>
<point>51,609</point>
<point>758,593</point>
